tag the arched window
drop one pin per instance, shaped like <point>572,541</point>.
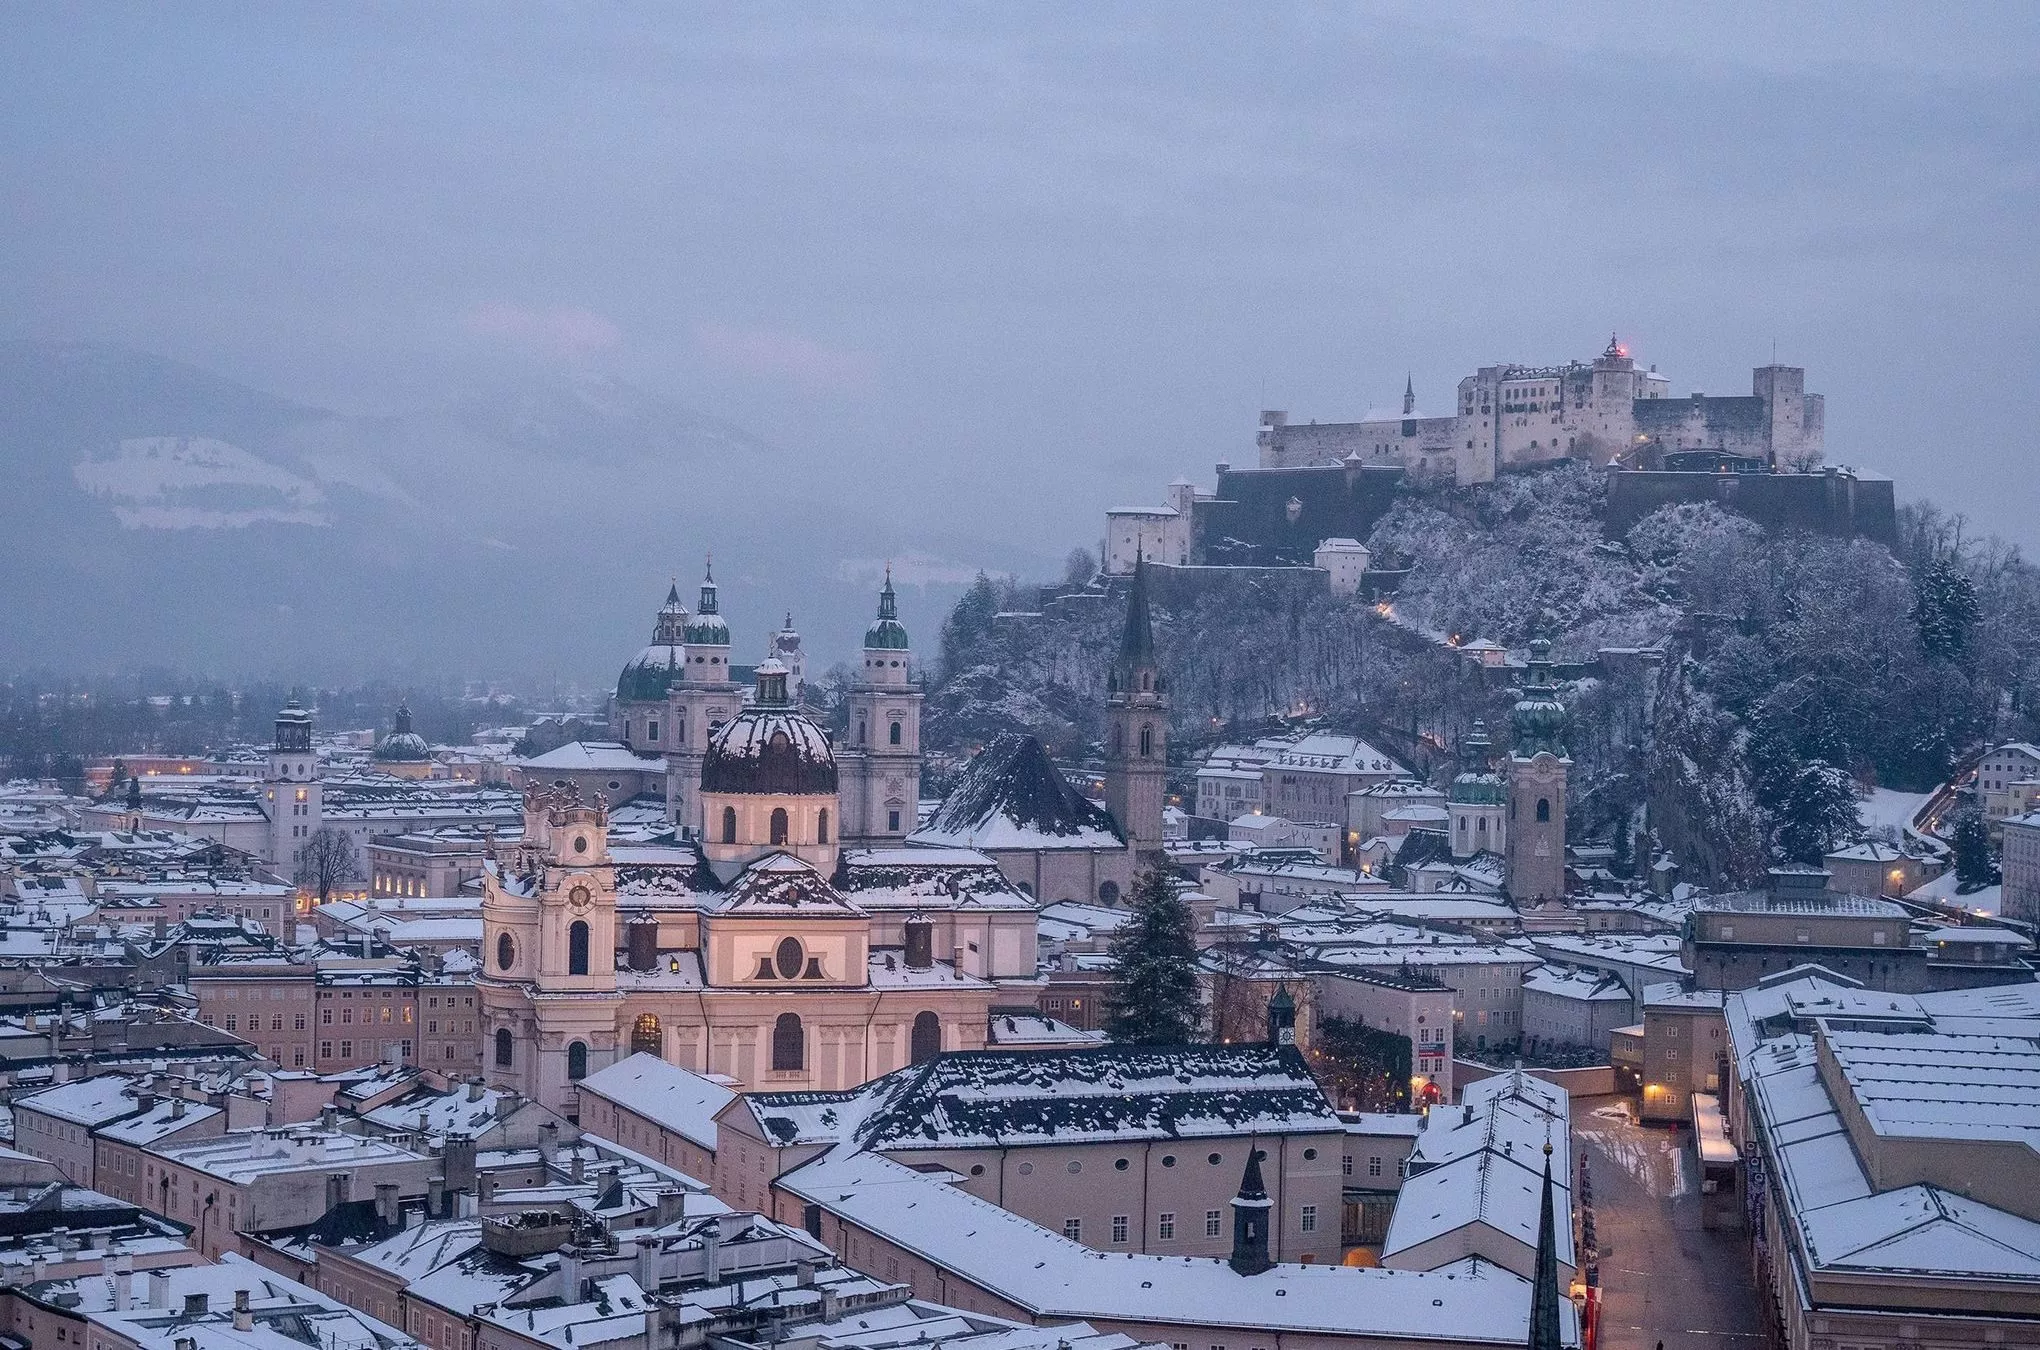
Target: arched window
<point>729,824</point>
<point>504,1049</point>
<point>1108,892</point>
<point>778,824</point>
<point>822,826</point>
<point>577,1061</point>
<point>645,1037</point>
<point>789,1044</point>
<point>577,948</point>
<point>1147,740</point>
<point>894,734</point>
<point>1543,809</point>
<point>506,951</point>
<point>787,958</point>
<point>927,1039</point>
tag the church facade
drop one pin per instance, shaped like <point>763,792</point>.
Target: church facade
<point>763,947</point>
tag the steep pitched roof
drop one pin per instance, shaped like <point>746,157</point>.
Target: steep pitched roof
<point>1011,796</point>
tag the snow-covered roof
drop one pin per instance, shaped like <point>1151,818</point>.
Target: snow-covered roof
<point>592,757</point>
<point>1115,1092</point>
<point>683,1102</point>
<point>1012,797</point>
<point>1052,1277</point>
<point>1572,982</point>
<point>89,1101</point>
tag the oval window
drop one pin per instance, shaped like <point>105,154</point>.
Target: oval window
<point>1310,1155</point>
<point>788,958</point>
<point>1026,1169</point>
<point>581,840</point>
<point>1168,1160</point>
<point>1214,1160</point>
<point>1119,1165</point>
<point>506,952</point>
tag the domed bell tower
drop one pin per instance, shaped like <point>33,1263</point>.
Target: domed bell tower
<point>882,763</point>
<point>1538,766</point>
<point>702,699</point>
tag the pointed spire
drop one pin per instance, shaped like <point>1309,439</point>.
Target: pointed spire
<point>1251,1209</point>
<point>673,593</point>
<point>888,602</point>
<point>1409,394</point>
<point>1544,1292</point>
<point>1137,643</point>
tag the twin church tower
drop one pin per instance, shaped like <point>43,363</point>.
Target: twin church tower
<point>673,695</point>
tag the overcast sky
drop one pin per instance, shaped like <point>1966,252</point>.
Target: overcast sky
<point>1027,260</point>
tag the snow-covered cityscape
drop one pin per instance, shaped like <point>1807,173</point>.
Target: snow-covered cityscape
<point>492,858</point>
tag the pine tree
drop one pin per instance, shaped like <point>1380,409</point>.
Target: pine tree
<point>1155,1000</point>
<point>1945,608</point>
<point>1818,813</point>
<point>1975,867</point>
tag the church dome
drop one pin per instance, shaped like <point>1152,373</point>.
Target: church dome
<point>647,675</point>
<point>770,747</point>
<point>403,745</point>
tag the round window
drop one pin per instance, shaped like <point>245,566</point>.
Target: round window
<point>1075,1168</point>
<point>581,840</point>
<point>1119,1165</point>
<point>1026,1169</point>
<point>977,1169</point>
<point>1168,1160</point>
<point>787,958</point>
<point>506,952</point>
<point>1310,1155</point>
<point>1214,1160</point>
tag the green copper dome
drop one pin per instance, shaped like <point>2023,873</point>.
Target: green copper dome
<point>707,628</point>
<point>888,634</point>
<point>647,676</point>
<point>1539,718</point>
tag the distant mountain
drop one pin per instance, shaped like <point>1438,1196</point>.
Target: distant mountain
<point>159,514</point>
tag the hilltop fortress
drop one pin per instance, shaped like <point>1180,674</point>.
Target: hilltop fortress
<point>1319,487</point>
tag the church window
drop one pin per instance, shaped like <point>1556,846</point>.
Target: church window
<point>765,970</point>
<point>1147,740</point>
<point>1108,892</point>
<point>577,1061</point>
<point>860,731</point>
<point>893,736</point>
<point>506,951</point>
<point>892,820</point>
<point>645,1037</point>
<point>651,731</point>
<point>822,826</point>
<point>778,824</point>
<point>1543,809</point>
<point>577,948</point>
<point>788,957</point>
<point>927,1038</point>
<point>729,824</point>
<point>789,1044</point>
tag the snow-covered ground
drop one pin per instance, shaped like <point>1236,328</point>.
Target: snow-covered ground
<point>1941,890</point>
<point>1887,814</point>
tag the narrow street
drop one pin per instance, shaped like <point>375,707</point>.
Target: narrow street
<point>1663,1277</point>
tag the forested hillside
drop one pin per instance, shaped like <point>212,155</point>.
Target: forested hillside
<point>1797,669</point>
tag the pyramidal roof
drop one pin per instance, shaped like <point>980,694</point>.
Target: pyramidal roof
<point>1137,642</point>
<point>1011,796</point>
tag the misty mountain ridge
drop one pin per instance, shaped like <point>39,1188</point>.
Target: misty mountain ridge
<point>527,529</point>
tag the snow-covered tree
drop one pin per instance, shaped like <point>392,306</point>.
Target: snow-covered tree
<point>1155,998</point>
<point>1976,864</point>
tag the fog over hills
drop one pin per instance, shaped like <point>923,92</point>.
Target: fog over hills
<point>528,530</point>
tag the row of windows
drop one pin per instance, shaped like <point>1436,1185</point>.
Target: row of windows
<point>1165,1225</point>
<point>789,1044</point>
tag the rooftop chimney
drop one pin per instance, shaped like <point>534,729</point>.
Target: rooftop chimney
<point>159,1289</point>
<point>195,1305</point>
<point>244,1320</point>
<point>672,1206</point>
<point>388,1204</point>
<point>435,1199</point>
<point>474,1093</point>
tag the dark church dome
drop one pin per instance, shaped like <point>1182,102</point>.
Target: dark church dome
<point>770,747</point>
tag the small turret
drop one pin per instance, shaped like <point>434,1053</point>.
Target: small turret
<point>1250,1220</point>
<point>1539,718</point>
<point>1282,1017</point>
